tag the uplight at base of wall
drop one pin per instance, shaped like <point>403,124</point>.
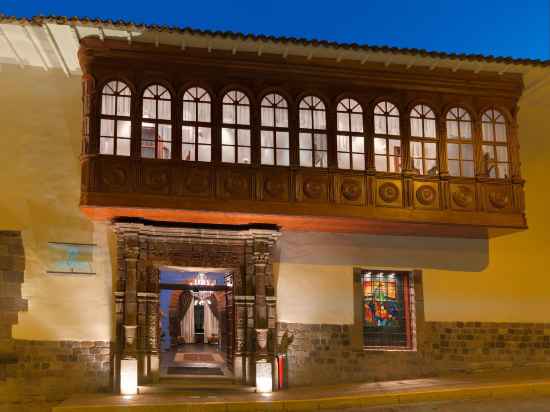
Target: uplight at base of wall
<point>128,376</point>
<point>264,377</point>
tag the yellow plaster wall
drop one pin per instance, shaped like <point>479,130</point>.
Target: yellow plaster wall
<point>40,182</point>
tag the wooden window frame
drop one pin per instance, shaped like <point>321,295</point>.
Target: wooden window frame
<point>460,140</point>
<point>311,109</point>
<point>349,134</point>
<point>387,137</point>
<point>116,117</point>
<point>157,97</point>
<point>236,127</point>
<point>494,144</point>
<point>197,124</point>
<point>274,129</point>
<point>423,140</point>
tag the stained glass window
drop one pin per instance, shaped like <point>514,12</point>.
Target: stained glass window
<point>386,309</point>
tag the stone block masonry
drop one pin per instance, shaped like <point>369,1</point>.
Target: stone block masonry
<point>325,354</point>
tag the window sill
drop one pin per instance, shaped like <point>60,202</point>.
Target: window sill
<point>387,349</point>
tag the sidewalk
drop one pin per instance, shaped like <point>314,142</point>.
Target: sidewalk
<point>471,386</point>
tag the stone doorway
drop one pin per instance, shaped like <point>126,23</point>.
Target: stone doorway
<point>144,247</point>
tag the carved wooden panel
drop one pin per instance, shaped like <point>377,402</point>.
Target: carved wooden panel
<point>426,195</point>
<point>389,192</point>
<point>155,178</point>
<point>497,197</point>
<point>463,196</point>
<point>234,184</point>
<point>312,187</point>
<point>350,190</point>
<point>115,175</point>
<point>194,181</point>
<point>274,185</point>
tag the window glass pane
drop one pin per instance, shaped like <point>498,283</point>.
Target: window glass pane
<point>358,161</point>
<point>343,161</point>
<point>244,155</point>
<point>123,147</point>
<point>394,147</point>
<point>188,151</point>
<point>380,163</point>
<point>204,112</point>
<point>431,167</point>
<point>283,158</point>
<point>106,145</point>
<point>164,150</point>
<point>164,110</point>
<point>416,127</point>
<point>357,122</point>
<point>395,164</point>
<point>123,106</point>
<point>500,131</point>
<point>487,132</point>
<point>343,122</point>
<point>467,152</point>
<point>502,153</point>
<point>229,114</point>
<point>429,128</point>
<point>393,126</point>
<point>379,124</point>
<point>320,141</point>
<point>267,138</point>
<point>379,145</point>
<point>358,144</point>
<point>228,136</point>
<point>188,134</point>
<point>452,129</point>
<point>342,143</point>
<point>305,119</point>
<point>468,169</point>
<point>306,158</point>
<point>108,105</point>
<point>228,154</point>
<point>320,159</point>
<point>488,151</point>
<point>454,167</point>
<point>305,141</point>
<point>243,136</point>
<point>267,117</point>
<point>319,121</point>
<point>123,128</point>
<point>417,165</point>
<point>281,117</point>
<point>466,130</point>
<point>165,132</point>
<point>148,132</point>
<point>282,140</point>
<point>107,127</point>
<point>243,114</point>
<point>416,149</point>
<point>452,151</point>
<point>204,135</point>
<point>189,112</point>
<point>148,152</point>
<point>204,153</point>
<point>503,170</point>
<point>430,150</point>
<point>267,156</point>
<point>149,109</point>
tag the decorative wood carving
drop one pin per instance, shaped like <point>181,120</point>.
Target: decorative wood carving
<point>388,193</point>
<point>114,175</point>
<point>350,189</point>
<point>426,195</point>
<point>233,184</point>
<point>274,186</point>
<point>312,187</point>
<point>499,197</point>
<point>463,196</point>
<point>196,181</point>
<point>155,178</point>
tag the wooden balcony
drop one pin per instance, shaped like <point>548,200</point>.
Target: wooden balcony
<point>300,198</point>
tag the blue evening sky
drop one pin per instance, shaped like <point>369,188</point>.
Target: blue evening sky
<point>491,27</point>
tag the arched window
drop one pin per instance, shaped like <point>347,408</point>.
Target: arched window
<point>495,145</point>
<point>275,147</point>
<point>236,128</point>
<point>350,136</point>
<point>387,141</point>
<point>156,129</point>
<point>313,132</point>
<point>423,140</point>
<point>115,124</point>
<point>196,130</point>
<point>460,149</point>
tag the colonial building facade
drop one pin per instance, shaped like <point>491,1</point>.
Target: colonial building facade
<point>367,207</point>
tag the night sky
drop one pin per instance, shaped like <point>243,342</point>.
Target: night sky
<point>503,28</point>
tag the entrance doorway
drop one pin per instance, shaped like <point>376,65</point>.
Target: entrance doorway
<point>196,312</point>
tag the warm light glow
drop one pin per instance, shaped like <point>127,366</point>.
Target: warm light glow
<point>128,376</point>
<point>264,379</point>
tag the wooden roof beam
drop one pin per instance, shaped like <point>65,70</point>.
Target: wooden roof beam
<point>20,61</point>
<point>57,50</point>
<point>37,47</point>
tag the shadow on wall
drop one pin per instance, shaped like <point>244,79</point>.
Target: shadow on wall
<point>315,248</point>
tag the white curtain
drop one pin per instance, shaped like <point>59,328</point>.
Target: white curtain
<point>210,323</point>
<point>187,324</point>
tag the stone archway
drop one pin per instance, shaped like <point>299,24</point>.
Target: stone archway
<point>143,247</point>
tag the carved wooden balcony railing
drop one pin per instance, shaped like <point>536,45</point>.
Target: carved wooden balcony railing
<point>298,198</point>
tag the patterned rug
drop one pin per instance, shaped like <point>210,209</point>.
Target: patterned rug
<point>183,370</point>
<point>198,357</point>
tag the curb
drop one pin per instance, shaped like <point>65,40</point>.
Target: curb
<point>336,403</point>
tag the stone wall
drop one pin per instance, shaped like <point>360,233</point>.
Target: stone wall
<point>322,354</point>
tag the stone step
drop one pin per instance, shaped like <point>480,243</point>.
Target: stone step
<point>195,386</point>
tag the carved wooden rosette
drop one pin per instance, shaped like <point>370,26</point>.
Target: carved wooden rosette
<point>143,248</point>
